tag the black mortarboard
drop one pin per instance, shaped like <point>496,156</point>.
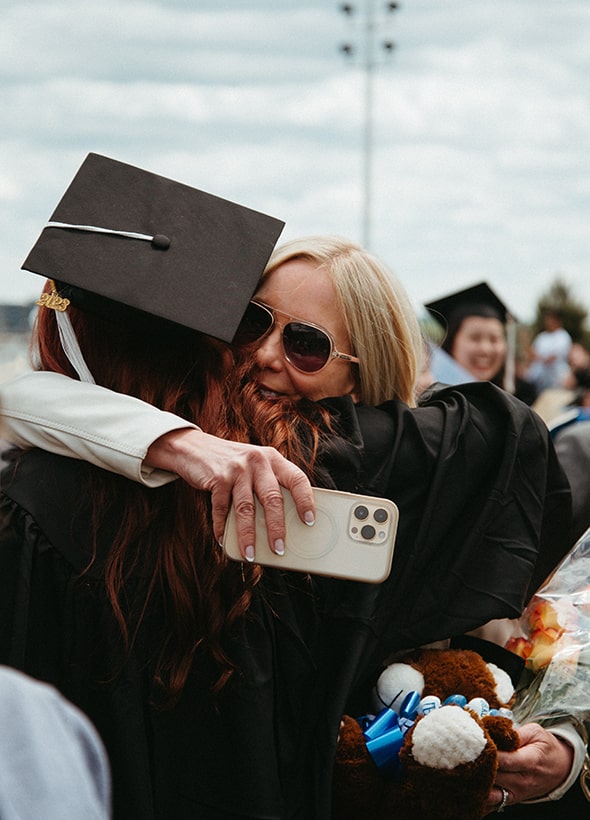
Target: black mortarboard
<point>156,245</point>
<point>478,300</point>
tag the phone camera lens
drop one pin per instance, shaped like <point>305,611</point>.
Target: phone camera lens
<point>368,532</point>
<point>361,512</point>
<point>380,515</point>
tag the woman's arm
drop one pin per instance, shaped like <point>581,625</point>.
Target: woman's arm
<point>84,421</point>
<point>127,436</point>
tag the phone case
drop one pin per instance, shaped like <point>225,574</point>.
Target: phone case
<point>353,537</point>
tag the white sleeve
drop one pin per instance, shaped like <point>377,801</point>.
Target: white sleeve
<point>85,421</point>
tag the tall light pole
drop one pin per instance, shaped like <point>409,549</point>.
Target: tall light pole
<point>370,61</point>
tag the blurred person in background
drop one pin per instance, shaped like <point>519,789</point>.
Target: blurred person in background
<point>578,377</point>
<point>549,353</point>
<point>479,336</point>
<point>53,764</point>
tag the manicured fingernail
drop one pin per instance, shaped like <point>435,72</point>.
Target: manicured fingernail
<point>309,518</point>
<point>279,546</point>
<point>249,553</point>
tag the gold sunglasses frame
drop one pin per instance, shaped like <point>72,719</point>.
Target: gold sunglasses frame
<point>334,353</point>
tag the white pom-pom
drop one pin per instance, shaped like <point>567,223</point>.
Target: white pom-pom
<point>446,738</point>
<point>393,685</point>
<point>504,687</point>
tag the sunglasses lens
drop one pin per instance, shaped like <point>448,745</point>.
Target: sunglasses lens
<point>306,347</point>
<point>256,322</point>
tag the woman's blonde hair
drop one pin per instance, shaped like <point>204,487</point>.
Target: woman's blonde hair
<point>377,311</point>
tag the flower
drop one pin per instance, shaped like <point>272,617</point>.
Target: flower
<point>555,642</point>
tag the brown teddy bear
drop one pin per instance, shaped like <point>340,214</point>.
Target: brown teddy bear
<point>447,762</point>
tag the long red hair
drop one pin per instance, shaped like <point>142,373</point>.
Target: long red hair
<point>197,593</point>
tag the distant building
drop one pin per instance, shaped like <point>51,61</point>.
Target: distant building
<point>16,318</point>
<point>15,330</point>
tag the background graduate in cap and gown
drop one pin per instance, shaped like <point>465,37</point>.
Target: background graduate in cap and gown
<point>480,335</point>
<point>218,688</point>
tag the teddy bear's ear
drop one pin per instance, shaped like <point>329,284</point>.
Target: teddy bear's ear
<point>394,684</point>
<point>504,686</point>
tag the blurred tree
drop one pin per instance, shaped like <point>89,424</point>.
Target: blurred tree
<point>559,296</point>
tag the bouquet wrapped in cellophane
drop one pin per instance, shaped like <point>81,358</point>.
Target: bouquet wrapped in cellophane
<point>555,642</point>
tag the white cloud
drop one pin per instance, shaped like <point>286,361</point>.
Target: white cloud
<point>481,125</point>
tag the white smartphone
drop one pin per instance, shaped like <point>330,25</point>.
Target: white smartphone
<point>353,537</point>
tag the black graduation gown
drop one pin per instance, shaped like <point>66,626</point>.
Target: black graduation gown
<point>480,500</point>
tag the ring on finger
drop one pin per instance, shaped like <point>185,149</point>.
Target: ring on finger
<point>504,799</point>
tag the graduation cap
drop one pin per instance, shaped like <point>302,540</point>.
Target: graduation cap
<point>141,240</point>
<point>478,300</point>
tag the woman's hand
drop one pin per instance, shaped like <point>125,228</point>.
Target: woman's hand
<point>231,470</point>
<point>538,767</point>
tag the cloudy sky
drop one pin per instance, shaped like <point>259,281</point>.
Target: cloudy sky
<point>481,125</point>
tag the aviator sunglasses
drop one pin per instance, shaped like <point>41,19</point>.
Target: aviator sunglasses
<point>308,347</point>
